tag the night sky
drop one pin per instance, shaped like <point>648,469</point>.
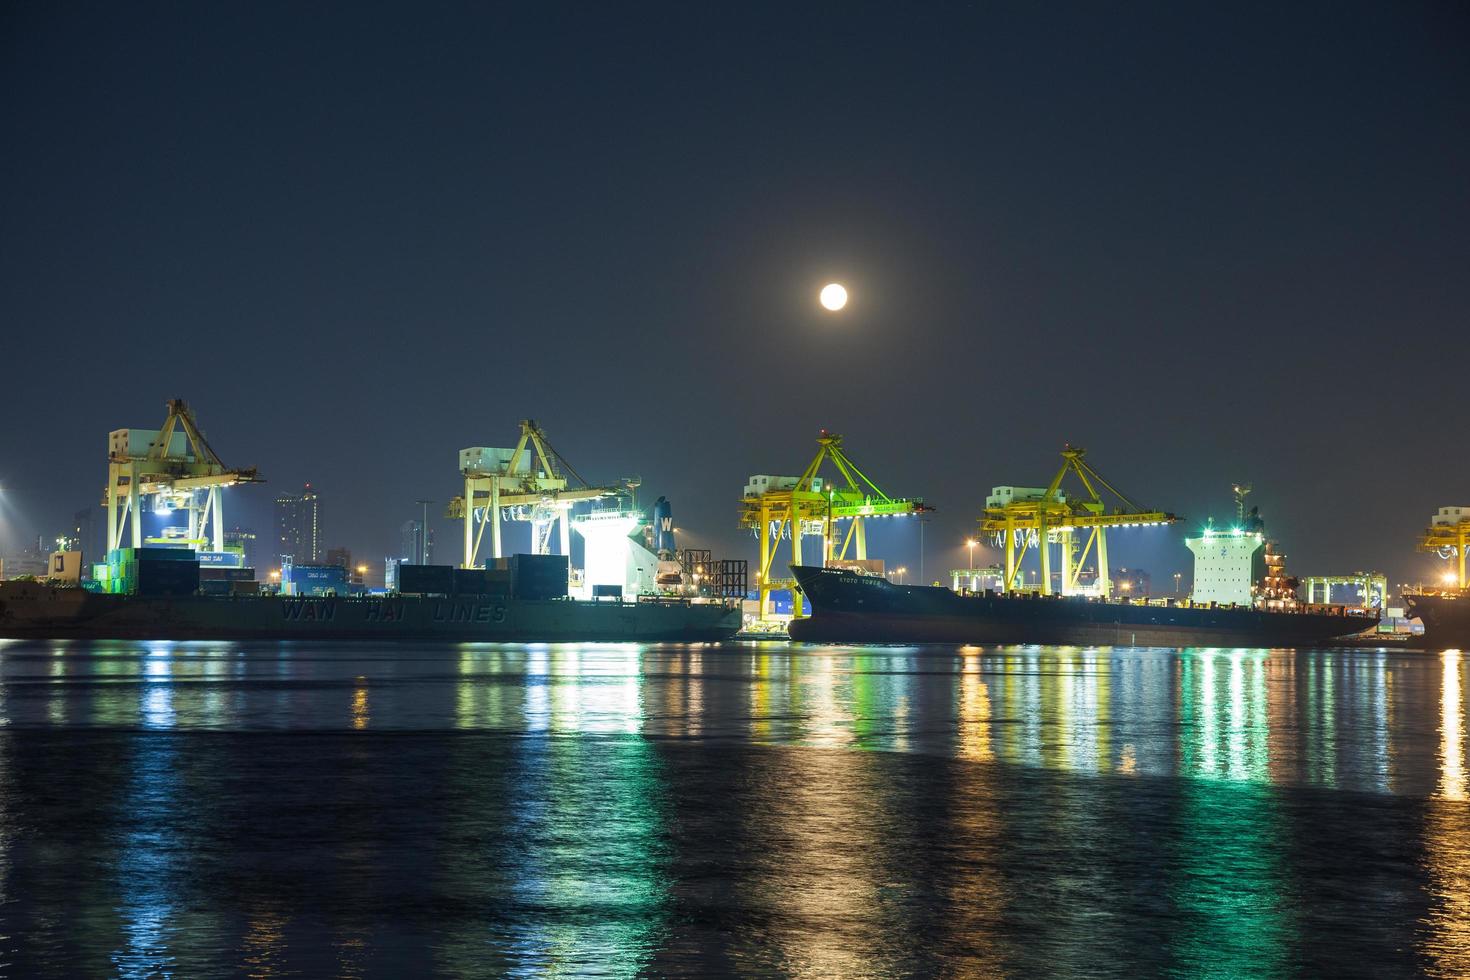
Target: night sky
<point>1209,243</point>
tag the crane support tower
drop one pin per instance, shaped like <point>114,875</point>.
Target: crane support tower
<point>530,481</point>
<point>1447,536</point>
<point>777,506</point>
<point>1020,518</point>
<point>175,467</point>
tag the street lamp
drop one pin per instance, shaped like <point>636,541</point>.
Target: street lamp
<point>970,543</point>
<point>1177,577</point>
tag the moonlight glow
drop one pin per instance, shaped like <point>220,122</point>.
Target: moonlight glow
<point>834,296</point>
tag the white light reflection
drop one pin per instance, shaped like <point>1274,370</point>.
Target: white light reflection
<point>1451,730</point>
<point>158,693</point>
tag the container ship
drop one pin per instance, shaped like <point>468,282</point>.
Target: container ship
<point>1445,612</point>
<point>851,607</point>
<point>163,600</point>
<point>1445,615</point>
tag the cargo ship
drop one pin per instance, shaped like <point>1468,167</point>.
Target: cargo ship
<point>1445,615</point>
<point>1445,612</point>
<point>34,610</point>
<point>851,607</point>
<point>160,595</point>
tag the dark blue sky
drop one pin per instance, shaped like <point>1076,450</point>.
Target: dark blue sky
<point>1210,243</point>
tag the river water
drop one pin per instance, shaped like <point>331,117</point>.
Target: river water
<point>199,809</point>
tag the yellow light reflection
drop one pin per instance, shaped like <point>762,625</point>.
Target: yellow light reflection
<point>1451,730</point>
<point>974,734</point>
<point>1447,836</point>
<point>360,704</point>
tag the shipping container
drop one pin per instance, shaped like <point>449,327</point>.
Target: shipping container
<point>538,576</point>
<point>216,573</point>
<point>426,579</point>
<point>165,577</point>
<point>314,579</point>
<point>481,581</point>
<point>152,553</point>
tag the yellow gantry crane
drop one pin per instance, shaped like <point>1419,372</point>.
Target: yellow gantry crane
<point>778,506</point>
<point>532,478</point>
<point>174,465</point>
<point>1447,535</point>
<point>1020,518</point>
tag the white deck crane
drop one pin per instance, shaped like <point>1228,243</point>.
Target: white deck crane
<point>174,465</point>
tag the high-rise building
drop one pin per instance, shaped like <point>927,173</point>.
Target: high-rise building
<point>415,548</point>
<point>356,573</point>
<point>81,536</point>
<point>298,526</point>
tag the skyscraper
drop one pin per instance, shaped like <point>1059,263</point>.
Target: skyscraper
<point>415,549</point>
<point>298,526</point>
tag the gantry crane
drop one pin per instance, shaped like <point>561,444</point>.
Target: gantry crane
<point>177,468</point>
<point>1447,535</point>
<point>531,479</point>
<point>1020,519</point>
<point>774,507</point>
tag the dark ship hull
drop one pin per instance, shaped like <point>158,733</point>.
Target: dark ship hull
<point>852,608</point>
<point>30,610</point>
<point>1446,618</point>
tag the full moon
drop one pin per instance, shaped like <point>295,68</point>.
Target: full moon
<point>834,296</point>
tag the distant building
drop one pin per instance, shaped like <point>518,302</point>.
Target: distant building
<point>342,557</point>
<point>82,534</point>
<point>298,527</point>
<point>1131,581</point>
<point>390,573</point>
<point>416,548</point>
<point>33,559</point>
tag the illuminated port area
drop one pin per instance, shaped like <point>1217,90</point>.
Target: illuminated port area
<point>751,490</point>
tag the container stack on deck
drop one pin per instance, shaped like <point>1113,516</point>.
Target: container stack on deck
<point>149,572</point>
<point>520,576</point>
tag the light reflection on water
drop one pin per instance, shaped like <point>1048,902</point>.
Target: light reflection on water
<point>620,810</point>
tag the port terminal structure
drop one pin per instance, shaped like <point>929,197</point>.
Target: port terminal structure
<point>1021,518</point>
<point>976,580</point>
<point>174,468</point>
<point>1447,536</point>
<point>1372,588</point>
<point>530,481</point>
<point>777,507</point>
